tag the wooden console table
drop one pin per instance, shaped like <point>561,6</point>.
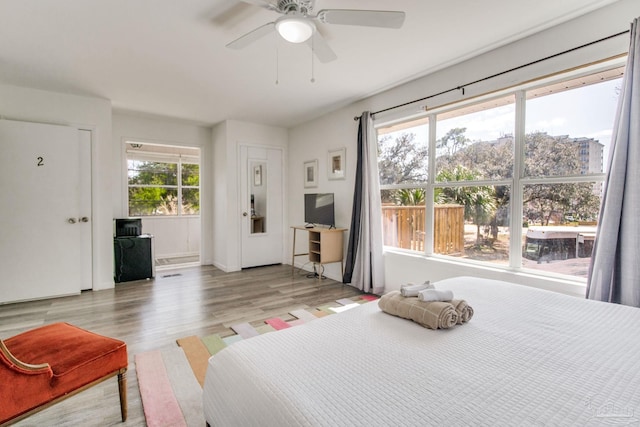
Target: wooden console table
<point>325,246</point>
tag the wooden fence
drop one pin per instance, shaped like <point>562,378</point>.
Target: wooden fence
<point>404,227</point>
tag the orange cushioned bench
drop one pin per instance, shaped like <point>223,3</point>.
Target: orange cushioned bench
<point>38,368</point>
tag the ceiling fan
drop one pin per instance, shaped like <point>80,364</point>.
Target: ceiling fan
<point>297,25</point>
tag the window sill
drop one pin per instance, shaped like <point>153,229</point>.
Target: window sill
<point>402,266</point>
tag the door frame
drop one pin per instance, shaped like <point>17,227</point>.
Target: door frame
<point>124,193</point>
<point>91,276</point>
<point>95,225</point>
<point>239,201</point>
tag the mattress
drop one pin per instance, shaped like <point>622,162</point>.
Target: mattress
<point>527,357</point>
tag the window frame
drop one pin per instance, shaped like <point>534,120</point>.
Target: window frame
<point>179,160</point>
<point>518,180</point>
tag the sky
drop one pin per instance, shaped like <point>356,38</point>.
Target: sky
<point>585,112</point>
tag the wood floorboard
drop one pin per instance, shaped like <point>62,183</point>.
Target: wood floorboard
<point>152,314</point>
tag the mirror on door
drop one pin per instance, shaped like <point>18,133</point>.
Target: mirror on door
<point>258,194</point>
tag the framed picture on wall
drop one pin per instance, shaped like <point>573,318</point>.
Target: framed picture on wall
<point>311,173</point>
<point>336,164</point>
<point>257,175</point>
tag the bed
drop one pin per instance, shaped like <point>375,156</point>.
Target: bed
<point>527,357</point>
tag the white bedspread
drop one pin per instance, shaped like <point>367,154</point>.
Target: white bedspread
<point>527,357</point>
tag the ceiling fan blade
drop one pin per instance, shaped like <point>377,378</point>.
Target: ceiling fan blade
<point>366,18</point>
<point>260,3</point>
<point>252,36</point>
<point>321,48</point>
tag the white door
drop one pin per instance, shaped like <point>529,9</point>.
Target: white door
<point>262,207</point>
<point>45,230</point>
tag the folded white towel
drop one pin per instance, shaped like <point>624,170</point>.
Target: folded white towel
<point>435,295</point>
<point>411,290</point>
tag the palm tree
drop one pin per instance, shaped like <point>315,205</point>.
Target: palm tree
<point>479,201</point>
<point>409,196</point>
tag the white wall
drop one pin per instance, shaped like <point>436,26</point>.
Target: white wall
<point>87,113</point>
<point>173,236</point>
<point>312,140</point>
<point>227,137</point>
<point>220,233</point>
<point>167,132</point>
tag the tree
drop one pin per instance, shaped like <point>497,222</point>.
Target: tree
<point>452,142</point>
<point>493,160</point>
<point>402,160</point>
<point>409,196</point>
<point>545,202</point>
<point>550,156</point>
<point>546,155</point>
<point>586,202</point>
<point>190,196</point>
<point>152,173</point>
<point>479,201</point>
<point>153,188</point>
<point>490,160</point>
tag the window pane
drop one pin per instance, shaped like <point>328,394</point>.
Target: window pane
<point>190,201</point>
<point>478,137</point>
<point>153,201</point>
<point>403,153</point>
<point>472,222</point>
<point>560,226</point>
<point>568,132</point>
<point>403,214</point>
<point>558,204</point>
<point>152,173</point>
<point>190,175</point>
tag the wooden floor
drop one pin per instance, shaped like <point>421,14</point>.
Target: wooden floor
<point>152,314</point>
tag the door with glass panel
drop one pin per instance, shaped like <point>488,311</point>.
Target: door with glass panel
<point>261,206</point>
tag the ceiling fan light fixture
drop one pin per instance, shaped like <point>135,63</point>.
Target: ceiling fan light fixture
<point>294,29</point>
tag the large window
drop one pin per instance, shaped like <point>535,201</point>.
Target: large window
<point>163,181</point>
<point>516,179</point>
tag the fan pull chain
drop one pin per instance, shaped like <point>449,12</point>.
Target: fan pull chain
<point>313,79</point>
<point>277,62</point>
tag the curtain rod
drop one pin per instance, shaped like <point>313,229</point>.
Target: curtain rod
<point>461,87</point>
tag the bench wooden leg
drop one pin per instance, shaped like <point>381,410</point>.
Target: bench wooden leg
<point>122,388</point>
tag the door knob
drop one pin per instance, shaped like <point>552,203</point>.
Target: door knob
<point>71,220</point>
<point>83,219</point>
<point>244,214</point>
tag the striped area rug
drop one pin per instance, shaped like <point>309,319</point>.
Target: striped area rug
<point>170,397</point>
<point>173,397</point>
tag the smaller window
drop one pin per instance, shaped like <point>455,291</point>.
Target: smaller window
<point>163,180</point>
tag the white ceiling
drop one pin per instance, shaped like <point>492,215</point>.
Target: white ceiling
<point>168,57</point>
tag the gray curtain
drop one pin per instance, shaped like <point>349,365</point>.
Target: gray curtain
<point>364,265</point>
<point>614,273</point>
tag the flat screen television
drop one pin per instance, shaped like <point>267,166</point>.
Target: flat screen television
<point>319,209</point>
